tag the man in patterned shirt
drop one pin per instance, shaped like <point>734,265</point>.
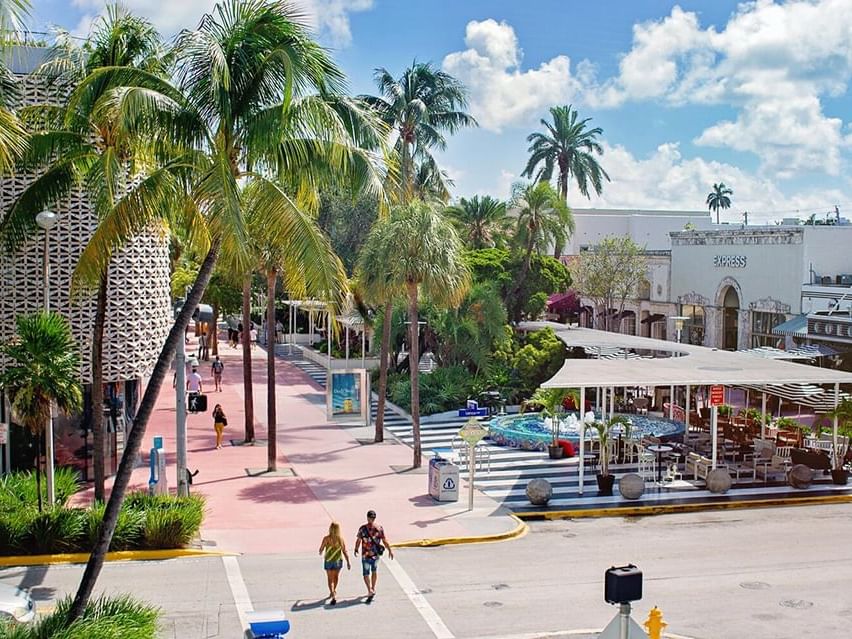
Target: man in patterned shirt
<point>372,542</point>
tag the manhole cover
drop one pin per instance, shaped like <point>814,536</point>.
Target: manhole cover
<point>500,586</point>
<point>493,604</point>
<point>797,603</point>
<point>755,585</point>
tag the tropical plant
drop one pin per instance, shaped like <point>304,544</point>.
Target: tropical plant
<point>421,106</point>
<point>13,134</point>
<point>44,370</point>
<point>603,429</point>
<point>551,401</point>
<point>719,198</point>
<point>843,415</point>
<point>427,259</point>
<point>84,144</point>
<point>246,78</point>
<point>20,489</point>
<point>479,220</point>
<point>568,147</point>
<point>543,219</point>
<point>431,183</point>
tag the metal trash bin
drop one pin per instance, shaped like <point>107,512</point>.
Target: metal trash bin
<point>443,479</point>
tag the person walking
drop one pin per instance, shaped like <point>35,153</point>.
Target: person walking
<point>217,367</point>
<point>372,542</point>
<point>219,423</point>
<point>335,551</point>
<point>253,336</point>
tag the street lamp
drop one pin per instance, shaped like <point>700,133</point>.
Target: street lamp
<point>678,323</point>
<point>47,220</point>
<point>180,408</point>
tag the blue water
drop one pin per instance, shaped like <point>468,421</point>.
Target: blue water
<point>528,431</point>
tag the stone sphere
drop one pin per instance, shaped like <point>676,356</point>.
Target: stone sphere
<point>718,481</point>
<point>631,486</point>
<point>539,492</point>
<point>800,476</point>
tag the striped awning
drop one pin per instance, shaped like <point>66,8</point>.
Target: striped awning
<point>797,326</point>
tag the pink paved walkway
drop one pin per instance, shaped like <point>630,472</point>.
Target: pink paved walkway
<point>335,477</point>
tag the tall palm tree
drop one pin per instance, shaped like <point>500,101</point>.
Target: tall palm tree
<point>568,147</point>
<point>44,369</point>
<point>83,145</point>
<point>260,97</point>
<point>421,107</point>
<point>478,220</point>
<point>13,134</point>
<point>719,198</point>
<point>543,219</point>
<point>427,259</point>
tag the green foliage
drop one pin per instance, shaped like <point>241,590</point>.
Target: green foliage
<point>540,356</point>
<point>129,528</point>
<point>56,530</point>
<point>441,390</point>
<point>346,220</point>
<point>173,523</point>
<point>725,410</point>
<point>118,617</point>
<point>18,490</point>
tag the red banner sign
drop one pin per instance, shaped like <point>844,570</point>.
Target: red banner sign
<point>717,395</point>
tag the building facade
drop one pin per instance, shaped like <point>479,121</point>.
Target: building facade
<point>138,313</point>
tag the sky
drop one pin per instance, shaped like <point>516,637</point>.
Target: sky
<point>752,94</point>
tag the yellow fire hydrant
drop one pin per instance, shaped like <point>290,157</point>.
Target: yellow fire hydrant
<point>655,624</point>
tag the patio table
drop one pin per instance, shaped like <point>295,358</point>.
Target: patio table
<point>659,449</point>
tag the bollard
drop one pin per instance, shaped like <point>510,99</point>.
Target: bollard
<point>655,624</point>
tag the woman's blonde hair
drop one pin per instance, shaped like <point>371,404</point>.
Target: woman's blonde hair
<point>334,533</point>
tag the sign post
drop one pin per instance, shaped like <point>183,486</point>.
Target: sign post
<point>717,398</point>
<point>472,432</point>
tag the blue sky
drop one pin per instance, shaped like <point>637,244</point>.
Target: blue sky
<point>753,94</point>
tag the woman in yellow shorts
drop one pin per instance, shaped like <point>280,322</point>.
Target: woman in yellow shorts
<point>219,423</point>
<point>335,551</point>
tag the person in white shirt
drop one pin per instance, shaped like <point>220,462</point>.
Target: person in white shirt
<point>193,382</point>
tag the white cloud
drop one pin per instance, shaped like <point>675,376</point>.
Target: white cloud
<point>666,180</point>
<point>501,93</point>
<point>330,18</point>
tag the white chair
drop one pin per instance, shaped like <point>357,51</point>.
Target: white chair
<point>647,464</point>
<point>672,473</point>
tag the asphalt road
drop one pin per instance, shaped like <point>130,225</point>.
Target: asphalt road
<point>770,573</point>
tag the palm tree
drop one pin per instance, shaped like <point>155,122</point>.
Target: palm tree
<point>478,220</point>
<point>543,219</point>
<point>44,369</point>
<point>570,148</point>
<point>428,260</point>
<point>256,92</point>
<point>13,135</point>
<point>421,106</point>
<point>719,198</point>
<point>83,145</point>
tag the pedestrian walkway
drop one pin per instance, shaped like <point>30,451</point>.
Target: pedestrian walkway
<point>325,471</point>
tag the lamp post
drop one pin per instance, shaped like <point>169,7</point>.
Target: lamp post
<point>678,324</point>
<point>47,220</point>
<point>180,411</point>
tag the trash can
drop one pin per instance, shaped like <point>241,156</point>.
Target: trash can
<point>443,480</point>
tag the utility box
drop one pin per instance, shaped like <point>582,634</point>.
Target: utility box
<point>622,584</point>
<point>443,479</point>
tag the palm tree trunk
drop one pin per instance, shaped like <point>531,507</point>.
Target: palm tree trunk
<point>248,390</point>
<point>414,366</point>
<point>39,439</point>
<point>517,302</point>
<point>137,435</point>
<point>213,336</point>
<point>384,363</point>
<point>98,388</point>
<point>271,416</point>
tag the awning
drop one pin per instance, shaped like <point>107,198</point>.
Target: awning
<point>653,317</point>
<point>563,303</point>
<point>796,326</point>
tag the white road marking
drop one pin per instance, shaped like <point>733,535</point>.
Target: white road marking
<point>238,589</point>
<point>435,623</point>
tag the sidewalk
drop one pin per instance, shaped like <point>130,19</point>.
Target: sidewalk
<point>324,473</point>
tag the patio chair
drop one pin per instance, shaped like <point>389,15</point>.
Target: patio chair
<point>641,405</point>
<point>647,464</point>
<point>672,473</point>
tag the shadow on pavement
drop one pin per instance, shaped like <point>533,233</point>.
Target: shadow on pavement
<point>292,490</point>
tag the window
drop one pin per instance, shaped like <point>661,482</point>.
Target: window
<point>693,328</point>
<point>762,323</point>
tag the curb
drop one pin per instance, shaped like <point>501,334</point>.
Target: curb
<point>516,533</point>
<point>121,555</point>
<point>667,509</point>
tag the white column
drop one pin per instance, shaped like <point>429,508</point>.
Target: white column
<point>763,415</point>
<point>363,345</point>
<point>347,347</point>
<point>611,402</point>
<point>582,438</point>
<point>834,422</point>
<point>671,401</point>
<point>714,423</point>
<point>688,408</point>
<point>328,337</point>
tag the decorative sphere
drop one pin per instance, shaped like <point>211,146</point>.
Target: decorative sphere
<point>800,476</point>
<point>631,486</point>
<point>718,481</point>
<point>539,492</point>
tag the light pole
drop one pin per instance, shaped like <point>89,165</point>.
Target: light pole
<point>180,411</point>
<point>47,220</point>
<point>678,323</point>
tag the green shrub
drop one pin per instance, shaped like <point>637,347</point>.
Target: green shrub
<point>128,529</point>
<point>173,527</point>
<point>105,618</point>
<point>56,530</point>
<point>13,526</point>
<point>20,487</point>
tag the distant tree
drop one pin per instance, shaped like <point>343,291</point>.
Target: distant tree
<point>609,273</point>
<point>479,220</point>
<point>346,220</point>
<point>569,148</point>
<point>431,183</point>
<point>719,198</point>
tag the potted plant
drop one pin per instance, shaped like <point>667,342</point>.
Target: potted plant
<point>603,430</point>
<point>550,400</point>
<point>726,410</point>
<point>843,413</point>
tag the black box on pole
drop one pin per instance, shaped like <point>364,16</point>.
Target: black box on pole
<point>622,584</point>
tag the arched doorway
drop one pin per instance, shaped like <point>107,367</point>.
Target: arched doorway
<point>730,318</point>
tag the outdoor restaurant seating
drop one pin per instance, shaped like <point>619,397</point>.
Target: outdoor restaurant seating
<point>700,466</point>
<point>814,459</point>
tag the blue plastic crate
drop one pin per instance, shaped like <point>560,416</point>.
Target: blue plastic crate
<point>268,624</point>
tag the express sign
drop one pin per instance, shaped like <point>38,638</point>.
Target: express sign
<point>730,261</point>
